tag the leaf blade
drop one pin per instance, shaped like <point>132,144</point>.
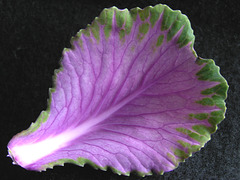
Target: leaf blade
<point>114,74</point>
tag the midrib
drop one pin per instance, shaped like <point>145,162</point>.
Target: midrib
<point>28,154</point>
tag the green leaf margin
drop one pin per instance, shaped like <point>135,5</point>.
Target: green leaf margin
<point>215,96</point>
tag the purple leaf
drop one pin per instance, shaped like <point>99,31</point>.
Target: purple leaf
<point>131,95</point>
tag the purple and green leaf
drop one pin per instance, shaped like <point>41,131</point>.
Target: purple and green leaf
<point>131,95</point>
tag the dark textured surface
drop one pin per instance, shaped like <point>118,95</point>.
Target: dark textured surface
<point>33,35</point>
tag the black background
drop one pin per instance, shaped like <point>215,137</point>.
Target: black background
<point>33,34</point>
